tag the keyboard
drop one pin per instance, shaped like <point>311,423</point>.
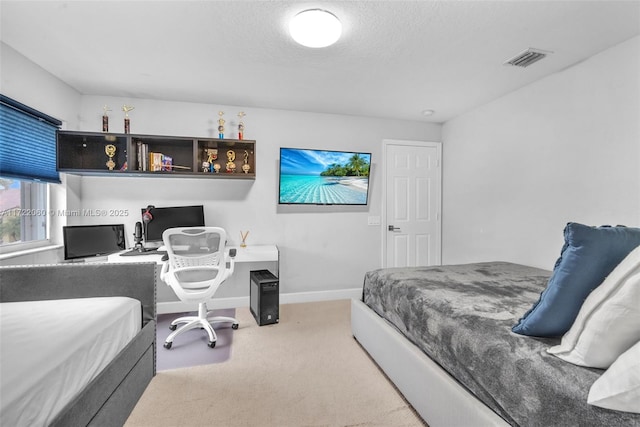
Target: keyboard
<point>136,252</point>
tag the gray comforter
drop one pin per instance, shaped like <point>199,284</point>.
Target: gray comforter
<point>461,317</point>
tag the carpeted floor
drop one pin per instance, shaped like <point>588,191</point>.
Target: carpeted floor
<point>190,348</point>
<point>308,370</point>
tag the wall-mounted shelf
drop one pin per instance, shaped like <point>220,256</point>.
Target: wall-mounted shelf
<point>93,153</point>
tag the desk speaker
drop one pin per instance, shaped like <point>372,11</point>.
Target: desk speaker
<point>264,296</point>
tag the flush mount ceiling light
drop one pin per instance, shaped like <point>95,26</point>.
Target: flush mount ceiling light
<point>315,28</point>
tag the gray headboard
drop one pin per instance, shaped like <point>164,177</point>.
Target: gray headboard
<point>61,281</point>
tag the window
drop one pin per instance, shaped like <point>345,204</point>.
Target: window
<point>27,164</point>
<point>23,211</point>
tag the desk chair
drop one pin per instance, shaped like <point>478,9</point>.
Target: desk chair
<point>196,267</point>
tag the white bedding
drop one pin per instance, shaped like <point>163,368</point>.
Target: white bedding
<point>49,351</point>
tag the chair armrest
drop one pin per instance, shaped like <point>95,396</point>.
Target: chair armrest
<point>231,264</point>
<point>230,261</point>
<point>165,269</point>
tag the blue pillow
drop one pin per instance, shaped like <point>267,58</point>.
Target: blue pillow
<point>588,256</point>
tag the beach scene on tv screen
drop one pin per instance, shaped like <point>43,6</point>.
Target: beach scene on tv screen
<point>323,177</point>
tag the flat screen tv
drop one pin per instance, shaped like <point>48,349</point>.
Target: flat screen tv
<point>323,177</point>
<point>85,241</point>
<point>156,220</point>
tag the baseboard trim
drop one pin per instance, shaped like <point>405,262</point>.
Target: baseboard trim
<point>298,297</point>
<point>235,302</point>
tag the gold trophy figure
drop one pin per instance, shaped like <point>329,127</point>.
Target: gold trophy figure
<point>127,123</point>
<point>212,154</point>
<point>231,157</point>
<point>245,167</point>
<point>241,114</point>
<point>221,125</point>
<point>105,118</point>
<point>110,150</point>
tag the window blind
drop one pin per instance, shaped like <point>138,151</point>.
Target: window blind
<point>27,142</point>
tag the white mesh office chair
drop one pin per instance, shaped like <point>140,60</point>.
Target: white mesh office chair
<point>196,268</point>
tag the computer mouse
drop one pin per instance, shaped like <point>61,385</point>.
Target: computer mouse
<point>165,257</point>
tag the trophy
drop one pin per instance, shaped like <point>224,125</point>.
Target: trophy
<point>221,125</point>
<point>231,157</point>
<point>245,167</point>
<point>212,154</point>
<point>241,114</point>
<point>110,150</point>
<point>105,118</point>
<point>127,123</point>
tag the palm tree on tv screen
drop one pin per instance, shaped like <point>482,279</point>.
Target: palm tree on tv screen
<point>356,162</point>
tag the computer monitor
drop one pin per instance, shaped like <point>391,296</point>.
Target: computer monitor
<point>156,220</point>
<point>85,241</point>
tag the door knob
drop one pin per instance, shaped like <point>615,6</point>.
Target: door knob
<point>392,228</point>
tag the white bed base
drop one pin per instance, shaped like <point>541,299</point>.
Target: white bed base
<point>44,371</point>
<point>438,398</point>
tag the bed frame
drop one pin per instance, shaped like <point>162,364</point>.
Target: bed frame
<point>111,396</point>
<point>434,394</point>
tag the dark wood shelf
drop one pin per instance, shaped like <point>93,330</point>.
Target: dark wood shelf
<point>85,153</point>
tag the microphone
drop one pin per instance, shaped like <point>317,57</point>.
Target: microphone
<point>138,232</point>
<point>137,236</point>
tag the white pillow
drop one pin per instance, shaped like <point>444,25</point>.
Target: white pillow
<point>619,387</point>
<point>608,322</point>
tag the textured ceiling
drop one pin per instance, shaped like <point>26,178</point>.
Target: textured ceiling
<point>395,59</point>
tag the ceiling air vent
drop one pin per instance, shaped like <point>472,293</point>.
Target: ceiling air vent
<point>526,58</point>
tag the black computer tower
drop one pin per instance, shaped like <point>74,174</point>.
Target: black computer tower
<point>264,297</point>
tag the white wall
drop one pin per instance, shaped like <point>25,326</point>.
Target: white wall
<point>321,248</point>
<point>30,84</point>
<point>565,148</point>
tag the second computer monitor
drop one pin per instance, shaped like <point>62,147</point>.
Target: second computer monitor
<point>156,220</point>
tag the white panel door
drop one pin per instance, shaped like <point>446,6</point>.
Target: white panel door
<point>413,181</point>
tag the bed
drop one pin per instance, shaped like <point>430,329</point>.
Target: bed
<point>443,335</point>
<point>50,375</point>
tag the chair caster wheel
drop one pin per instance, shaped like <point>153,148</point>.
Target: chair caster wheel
<point>235,326</point>
<point>167,345</point>
<point>173,327</point>
<point>212,344</point>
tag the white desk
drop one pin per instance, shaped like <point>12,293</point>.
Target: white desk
<point>257,253</point>
<point>252,253</point>
<point>235,294</point>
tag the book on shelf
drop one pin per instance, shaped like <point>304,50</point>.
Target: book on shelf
<point>155,161</point>
<point>143,150</point>
<point>167,163</point>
